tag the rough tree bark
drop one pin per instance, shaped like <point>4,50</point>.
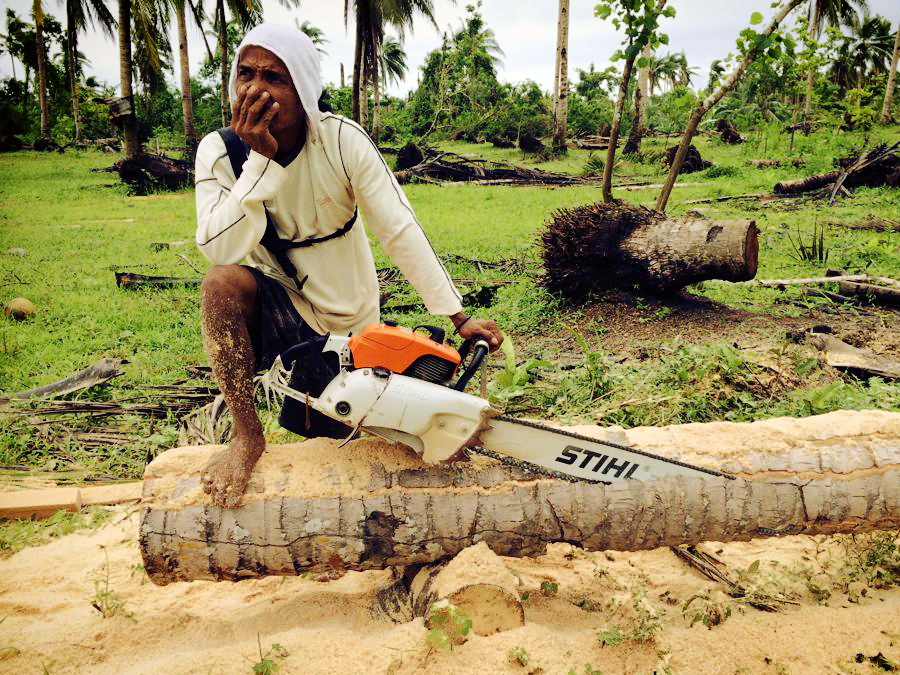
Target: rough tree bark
<point>561,102</point>
<point>710,101</point>
<point>886,109</point>
<point>187,103</point>
<point>641,99</point>
<point>72,58</point>
<point>129,123</point>
<point>811,73</point>
<point>42,68</point>
<point>831,473</point>
<point>357,68</point>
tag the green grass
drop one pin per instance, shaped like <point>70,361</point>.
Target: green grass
<point>79,227</point>
<point>24,532</point>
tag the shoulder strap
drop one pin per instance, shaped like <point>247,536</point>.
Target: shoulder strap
<point>278,247</point>
<point>237,153</point>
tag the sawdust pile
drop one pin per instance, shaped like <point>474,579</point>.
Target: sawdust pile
<point>329,628</point>
<point>652,600</point>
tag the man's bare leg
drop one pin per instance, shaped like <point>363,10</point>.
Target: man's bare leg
<point>228,309</point>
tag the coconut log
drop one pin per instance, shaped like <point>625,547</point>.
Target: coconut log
<point>598,246</point>
<point>369,505</point>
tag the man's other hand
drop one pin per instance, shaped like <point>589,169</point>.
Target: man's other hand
<point>483,328</point>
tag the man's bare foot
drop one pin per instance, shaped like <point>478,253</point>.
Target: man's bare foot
<point>228,472</point>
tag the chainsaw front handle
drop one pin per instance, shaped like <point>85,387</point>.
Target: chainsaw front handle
<point>480,350</point>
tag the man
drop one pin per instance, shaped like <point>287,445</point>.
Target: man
<point>308,170</point>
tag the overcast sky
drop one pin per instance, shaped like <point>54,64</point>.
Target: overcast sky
<point>525,30</point>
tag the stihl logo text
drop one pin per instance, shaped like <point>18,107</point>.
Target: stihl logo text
<point>596,462</point>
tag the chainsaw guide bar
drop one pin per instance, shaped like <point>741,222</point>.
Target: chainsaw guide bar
<point>574,457</point>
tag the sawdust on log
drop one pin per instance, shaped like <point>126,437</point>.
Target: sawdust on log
<point>476,564</point>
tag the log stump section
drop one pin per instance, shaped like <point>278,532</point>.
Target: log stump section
<point>600,246</point>
<point>832,473</point>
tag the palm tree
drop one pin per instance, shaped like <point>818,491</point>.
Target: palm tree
<point>187,103</point>
<point>313,33</point>
<point>870,45</point>
<point>561,102</point>
<point>42,69</point>
<point>78,14</point>
<point>393,69</point>
<point>716,71</point>
<point>150,20</point>
<point>832,13</point>
<point>684,74</point>
<point>370,16</point>
<point>886,115</point>
<point>129,122</point>
<point>663,70</point>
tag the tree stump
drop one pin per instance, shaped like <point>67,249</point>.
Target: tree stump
<point>599,246</point>
<point>370,505</point>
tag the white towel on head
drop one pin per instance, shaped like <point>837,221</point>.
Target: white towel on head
<point>299,56</point>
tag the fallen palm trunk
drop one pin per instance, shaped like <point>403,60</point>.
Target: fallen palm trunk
<point>600,246</point>
<point>878,295</point>
<point>102,371</point>
<point>133,281</point>
<point>879,167</point>
<point>448,166</point>
<point>370,505</point>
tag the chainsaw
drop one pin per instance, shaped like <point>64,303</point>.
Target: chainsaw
<point>398,384</point>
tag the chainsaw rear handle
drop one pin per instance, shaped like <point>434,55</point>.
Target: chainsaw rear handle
<point>480,350</point>
<point>291,354</point>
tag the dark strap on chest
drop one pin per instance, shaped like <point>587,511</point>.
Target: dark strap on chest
<point>278,247</point>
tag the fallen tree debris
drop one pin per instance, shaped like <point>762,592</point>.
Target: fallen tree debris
<point>728,132</point>
<point>839,354</point>
<point>880,166</point>
<point>450,167</point>
<point>133,281</point>
<point>601,246</point>
<point>716,570</point>
<point>872,294</point>
<point>149,173</point>
<point>98,373</point>
<point>886,281</point>
<point>692,160</point>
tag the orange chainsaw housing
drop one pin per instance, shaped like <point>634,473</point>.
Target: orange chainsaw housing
<point>397,348</point>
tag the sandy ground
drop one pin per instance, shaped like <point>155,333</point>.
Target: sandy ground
<point>329,628</point>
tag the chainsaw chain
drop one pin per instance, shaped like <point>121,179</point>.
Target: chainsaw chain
<point>532,468</point>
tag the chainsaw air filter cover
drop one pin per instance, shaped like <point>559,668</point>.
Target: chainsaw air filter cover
<point>409,352</point>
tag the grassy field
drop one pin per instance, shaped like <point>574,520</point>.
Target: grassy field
<point>78,227</point>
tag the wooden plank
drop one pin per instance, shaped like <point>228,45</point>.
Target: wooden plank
<point>39,503</point>
<point>119,493</point>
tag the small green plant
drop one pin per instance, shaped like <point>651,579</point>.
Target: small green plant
<point>593,166</point>
<point>549,588</point>
<point>513,380</point>
<point>703,608</point>
<point>21,533</point>
<point>815,250</point>
<point>449,625</point>
<point>611,637</point>
<point>588,670</point>
<point>105,600</point>
<point>519,655</point>
<point>138,569</point>
<point>269,662</point>
<point>719,171</point>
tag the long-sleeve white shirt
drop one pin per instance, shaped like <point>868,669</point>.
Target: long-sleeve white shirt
<point>314,195</point>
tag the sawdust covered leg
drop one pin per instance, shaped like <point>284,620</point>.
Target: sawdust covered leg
<point>229,310</point>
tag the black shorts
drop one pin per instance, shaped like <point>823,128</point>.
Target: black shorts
<point>280,328</point>
<point>280,324</point>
